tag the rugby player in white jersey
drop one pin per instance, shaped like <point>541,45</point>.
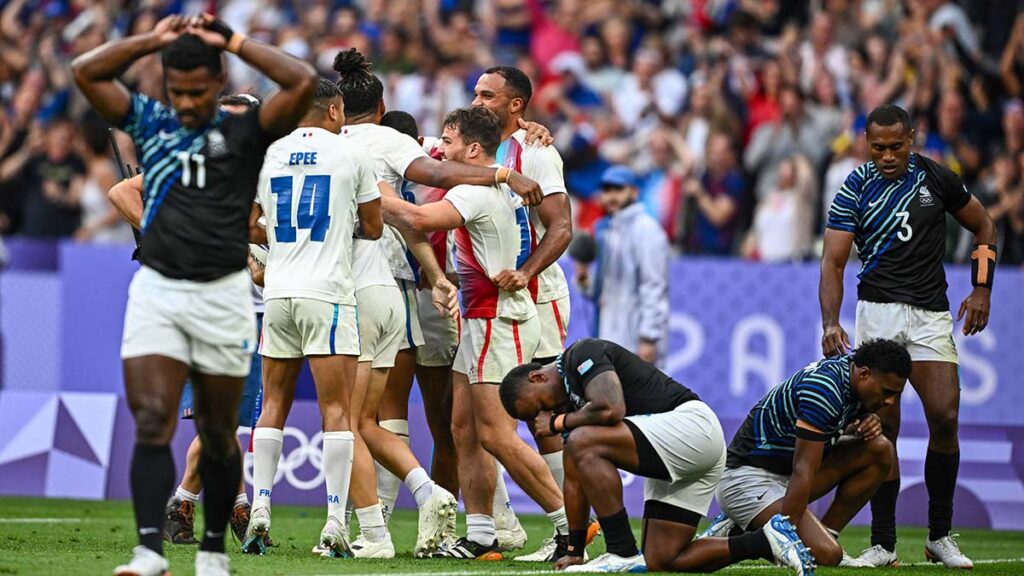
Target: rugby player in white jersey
<point>499,328</point>
<point>506,91</point>
<point>400,159</point>
<point>311,188</point>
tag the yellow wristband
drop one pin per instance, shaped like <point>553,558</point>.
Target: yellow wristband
<point>236,42</point>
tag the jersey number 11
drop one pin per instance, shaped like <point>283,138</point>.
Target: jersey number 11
<point>314,207</point>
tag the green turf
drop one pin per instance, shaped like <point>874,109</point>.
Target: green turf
<point>101,535</point>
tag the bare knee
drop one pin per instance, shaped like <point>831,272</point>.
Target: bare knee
<point>828,554</point>
<point>218,440</point>
<point>943,423</point>
<point>580,445</point>
<point>493,440</point>
<point>154,423</point>
<point>334,417</point>
<point>659,562</point>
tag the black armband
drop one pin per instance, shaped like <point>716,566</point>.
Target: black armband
<point>805,434</point>
<point>577,542</point>
<point>983,265</point>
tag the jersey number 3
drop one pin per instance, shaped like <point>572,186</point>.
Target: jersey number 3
<point>314,206</point>
<point>906,232</point>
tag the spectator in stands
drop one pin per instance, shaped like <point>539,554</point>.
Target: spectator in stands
<point>101,222</point>
<point>716,199</point>
<point>782,224</point>
<point>650,91</point>
<point>52,178</point>
<point>630,284</point>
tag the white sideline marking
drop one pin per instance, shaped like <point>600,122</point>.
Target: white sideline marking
<point>40,520</point>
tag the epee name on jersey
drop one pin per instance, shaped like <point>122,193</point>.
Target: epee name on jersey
<point>302,159</point>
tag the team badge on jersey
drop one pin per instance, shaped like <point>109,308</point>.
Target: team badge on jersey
<point>585,367</point>
<point>924,195</point>
<point>215,143</point>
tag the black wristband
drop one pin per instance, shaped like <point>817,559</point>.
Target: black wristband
<point>983,265</point>
<point>577,542</point>
<point>551,424</point>
<point>220,27</point>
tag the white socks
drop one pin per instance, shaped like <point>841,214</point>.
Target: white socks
<point>241,499</point>
<point>480,529</point>
<point>554,462</point>
<point>371,523</point>
<point>501,501</point>
<point>266,453</point>
<point>387,483</point>
<point>559,520</point>
<point>337,463</point>
<point>419,483</point>
<point>185,495</point>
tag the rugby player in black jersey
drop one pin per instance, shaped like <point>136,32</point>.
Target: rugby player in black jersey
<point>619,412</point>
<point>894,208</point>
<point>189,308</point>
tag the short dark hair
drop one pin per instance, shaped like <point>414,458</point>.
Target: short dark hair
<point>361,90</point>
<point>325,92</point>
<point>885,356</point>
<point>402,122</point>
<point>189,52</point>
<point>516,82</point>
<point>247,100</point>
<point>476,124</point>
<point>888,115</point>
<point>512,386</point>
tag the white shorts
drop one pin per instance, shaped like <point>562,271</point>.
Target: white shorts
<point>928,335</point>
<point>491,347</point>
<point>554,324</point>
<point>299,327</point>
<point>381,324</point>
<point>440,334</point>
<point>210,326</point>
<point>413,335</point>
<point>690,442</point>
<point>745,492</point>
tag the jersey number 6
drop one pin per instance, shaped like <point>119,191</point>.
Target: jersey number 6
<point>314,207</point>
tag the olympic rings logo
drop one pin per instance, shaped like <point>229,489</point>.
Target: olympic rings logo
<point>308,450</point>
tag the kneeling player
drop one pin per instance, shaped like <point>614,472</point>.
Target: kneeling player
<point>815,432</point>
<point>617,411</point>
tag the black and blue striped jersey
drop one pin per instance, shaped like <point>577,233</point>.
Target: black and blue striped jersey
<point>899,228</point>
<point>198,188</point>
<point>820,395</point>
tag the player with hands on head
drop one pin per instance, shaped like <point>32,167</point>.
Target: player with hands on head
<point>189,307</point>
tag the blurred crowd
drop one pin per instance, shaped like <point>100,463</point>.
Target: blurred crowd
<point>742,117</point>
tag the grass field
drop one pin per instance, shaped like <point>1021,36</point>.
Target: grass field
<point>69,537</point>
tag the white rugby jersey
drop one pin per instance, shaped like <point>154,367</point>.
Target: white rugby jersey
<point>392,153</point>
<point>542,164</point>
<point>309,188</point>
<point>495,237</point>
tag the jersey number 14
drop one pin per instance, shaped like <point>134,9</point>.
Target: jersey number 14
<point>314,206</point>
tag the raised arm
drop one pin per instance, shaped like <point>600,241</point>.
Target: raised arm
<point>975,218</point>
<point>430,172</point>
<point>280,113</point>
<point>97,70</point>
<point>830,290</point>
